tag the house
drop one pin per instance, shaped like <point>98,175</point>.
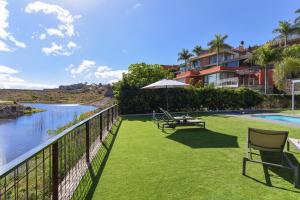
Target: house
<point>169,67</point>
<point>234,70</point>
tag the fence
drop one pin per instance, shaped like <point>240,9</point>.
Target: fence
<point>54,169</point>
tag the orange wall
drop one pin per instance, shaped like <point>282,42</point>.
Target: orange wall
<point>261,77</point>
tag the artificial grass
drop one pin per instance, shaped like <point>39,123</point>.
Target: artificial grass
<point>189,163</point>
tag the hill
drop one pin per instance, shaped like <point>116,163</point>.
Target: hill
<point>77,93</point>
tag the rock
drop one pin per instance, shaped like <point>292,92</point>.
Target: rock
<point>13,110</point>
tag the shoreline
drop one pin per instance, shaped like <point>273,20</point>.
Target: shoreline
<point>13,110</point>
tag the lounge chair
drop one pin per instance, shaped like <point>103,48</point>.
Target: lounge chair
<point>170,121</point>
<point>269,141</point>
<point>157,117</point>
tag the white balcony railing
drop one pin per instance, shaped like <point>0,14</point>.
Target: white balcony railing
<point>228,82</point>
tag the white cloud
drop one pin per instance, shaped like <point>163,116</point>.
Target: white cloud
<point>42,36</point>
<point>7,70</point>
<point>24,85</point>
<point>64,29</point>
<point>88,69</point>
<point>137,5</point>
<point>113,81</point>
<point>9,81</point>
<point>4,47</point>
<point>66,19</point>
<point>105,72</point>
<point>57,49</point>
<point>55,32</point>
<point>5,35</point>
<point>85,67</point>
<point>72,45</point>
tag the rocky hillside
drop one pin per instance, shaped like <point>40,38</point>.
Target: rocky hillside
<point>76,93</point>
<point>13,110</point>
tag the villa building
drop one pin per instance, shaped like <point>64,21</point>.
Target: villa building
<point>233,70</point>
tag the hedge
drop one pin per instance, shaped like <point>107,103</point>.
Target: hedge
<point>134,100</point>
<point>279,101</point>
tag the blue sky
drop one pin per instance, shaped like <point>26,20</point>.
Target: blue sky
<point>53,42</point>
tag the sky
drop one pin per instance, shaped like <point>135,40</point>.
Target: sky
<point>48,43</point>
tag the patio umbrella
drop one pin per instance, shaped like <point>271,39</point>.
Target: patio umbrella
<point>165,83</point>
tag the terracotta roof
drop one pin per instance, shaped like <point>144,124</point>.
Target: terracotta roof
<point>169,66</point>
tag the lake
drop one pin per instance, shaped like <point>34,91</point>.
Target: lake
<point>19,135</point>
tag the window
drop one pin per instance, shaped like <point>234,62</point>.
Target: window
<point>233,64</point>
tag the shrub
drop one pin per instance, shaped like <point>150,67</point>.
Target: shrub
<point>135,100</point>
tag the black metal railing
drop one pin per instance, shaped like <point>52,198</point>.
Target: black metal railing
<point>54,169</point>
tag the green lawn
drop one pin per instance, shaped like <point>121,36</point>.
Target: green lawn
<point>145,163</point>
<point>291,111</point>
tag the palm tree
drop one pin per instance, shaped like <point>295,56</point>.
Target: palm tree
<point>197,50</point>
<point>284,29</point>
<point>184,55</point>
<point>263,56</point>
<point>297,20</point>
<point>296,24</point>
<point>219,43</point>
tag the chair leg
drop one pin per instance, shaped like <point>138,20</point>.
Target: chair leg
<point>296,177</point>
<point>267,176</point>
<point>244,165</point>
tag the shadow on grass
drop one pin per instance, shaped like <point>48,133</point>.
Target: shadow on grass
<point>138,118</point>
<point>90,181</point>
<point>286,174</point>
<point>203,138</point>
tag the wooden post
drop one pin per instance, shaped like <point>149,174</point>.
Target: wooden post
<point>55,171</point>
<point>87,141</point>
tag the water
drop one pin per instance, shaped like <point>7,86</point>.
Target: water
<point>18,136</point>
<point>282,118</point>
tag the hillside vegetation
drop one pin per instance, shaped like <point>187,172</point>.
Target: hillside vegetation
<point>12,110</point>
<point>78,93</point>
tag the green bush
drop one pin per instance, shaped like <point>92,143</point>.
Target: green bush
<point>280,101</point>
<point>135,100</point>
<point>132,99</point>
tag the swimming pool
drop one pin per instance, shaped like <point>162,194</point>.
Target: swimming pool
<point>282,118</point>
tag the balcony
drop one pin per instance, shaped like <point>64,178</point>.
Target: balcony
<point>228,82</point>
<point>236,82</point>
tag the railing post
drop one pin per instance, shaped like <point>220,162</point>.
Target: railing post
<point>112,116</point>
<point>101,127</point>
<point>55,171</point>
<point>107,120</point>
<point>87,141</point>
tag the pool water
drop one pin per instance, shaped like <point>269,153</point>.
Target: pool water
<point>282,118</point>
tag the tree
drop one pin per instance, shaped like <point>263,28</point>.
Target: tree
<point>242,43</point>
<point>218,43</point>
<point>297,20</point>
<point>142,74</point>
<point>197,50</point>
<point>288,67</point>
<point>285,29</point>
<point>296,24</point>
<point>263,56</point>
<point>184,55</point>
